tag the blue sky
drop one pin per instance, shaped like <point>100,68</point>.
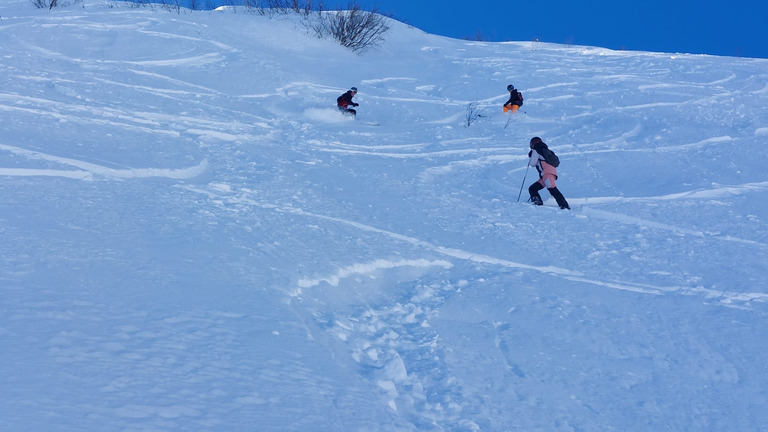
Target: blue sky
<point>731,28</point>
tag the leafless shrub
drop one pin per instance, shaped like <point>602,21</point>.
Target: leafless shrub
<point>278,7</point>
<point>169,5</point>
<point>251,5</point>
<point>353,28</point>
<point>305,7</point>
<point>474,112</point>
<point>50,4</point>
<point>45,4</point>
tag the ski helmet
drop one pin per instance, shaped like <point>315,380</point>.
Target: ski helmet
<point>510,87</point>
<point>354,89</point>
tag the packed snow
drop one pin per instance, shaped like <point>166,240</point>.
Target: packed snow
<point>194,239</point>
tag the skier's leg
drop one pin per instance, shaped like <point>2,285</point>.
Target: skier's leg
<point>533,190</point>
<point>555,192</point>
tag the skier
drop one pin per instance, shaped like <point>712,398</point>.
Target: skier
<point>515,100</point>
<point>345,100</point>
<point>547,174</point>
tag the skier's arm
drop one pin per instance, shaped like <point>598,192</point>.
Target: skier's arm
<point>533,158</point>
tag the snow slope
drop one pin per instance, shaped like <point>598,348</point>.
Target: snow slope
<point>192,239</point>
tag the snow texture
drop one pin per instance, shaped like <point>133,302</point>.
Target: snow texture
<point>192,238</point>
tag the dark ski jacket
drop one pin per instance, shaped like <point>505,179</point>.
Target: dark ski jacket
<point>345,100</point>
<point>515,98</point>
<point>536,160</point>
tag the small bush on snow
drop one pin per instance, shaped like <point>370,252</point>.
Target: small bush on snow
<point>353,28</point>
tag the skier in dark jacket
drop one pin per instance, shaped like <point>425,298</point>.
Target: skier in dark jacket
<point>345,100</point>
<point>515,99</point>
<point>547,175</point>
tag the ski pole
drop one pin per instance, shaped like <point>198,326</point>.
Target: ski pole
<point>523,184</point>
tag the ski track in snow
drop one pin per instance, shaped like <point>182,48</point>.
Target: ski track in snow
<point>369,268</point>
<point>726,298</point>
<point>89,170</point>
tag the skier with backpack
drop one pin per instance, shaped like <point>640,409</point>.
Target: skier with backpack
<point>345,100</point>
<point>515,99</point>
<point>546,163</point>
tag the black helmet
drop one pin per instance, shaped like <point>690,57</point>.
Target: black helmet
<point>354,89</point>
<point>510,87</point>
